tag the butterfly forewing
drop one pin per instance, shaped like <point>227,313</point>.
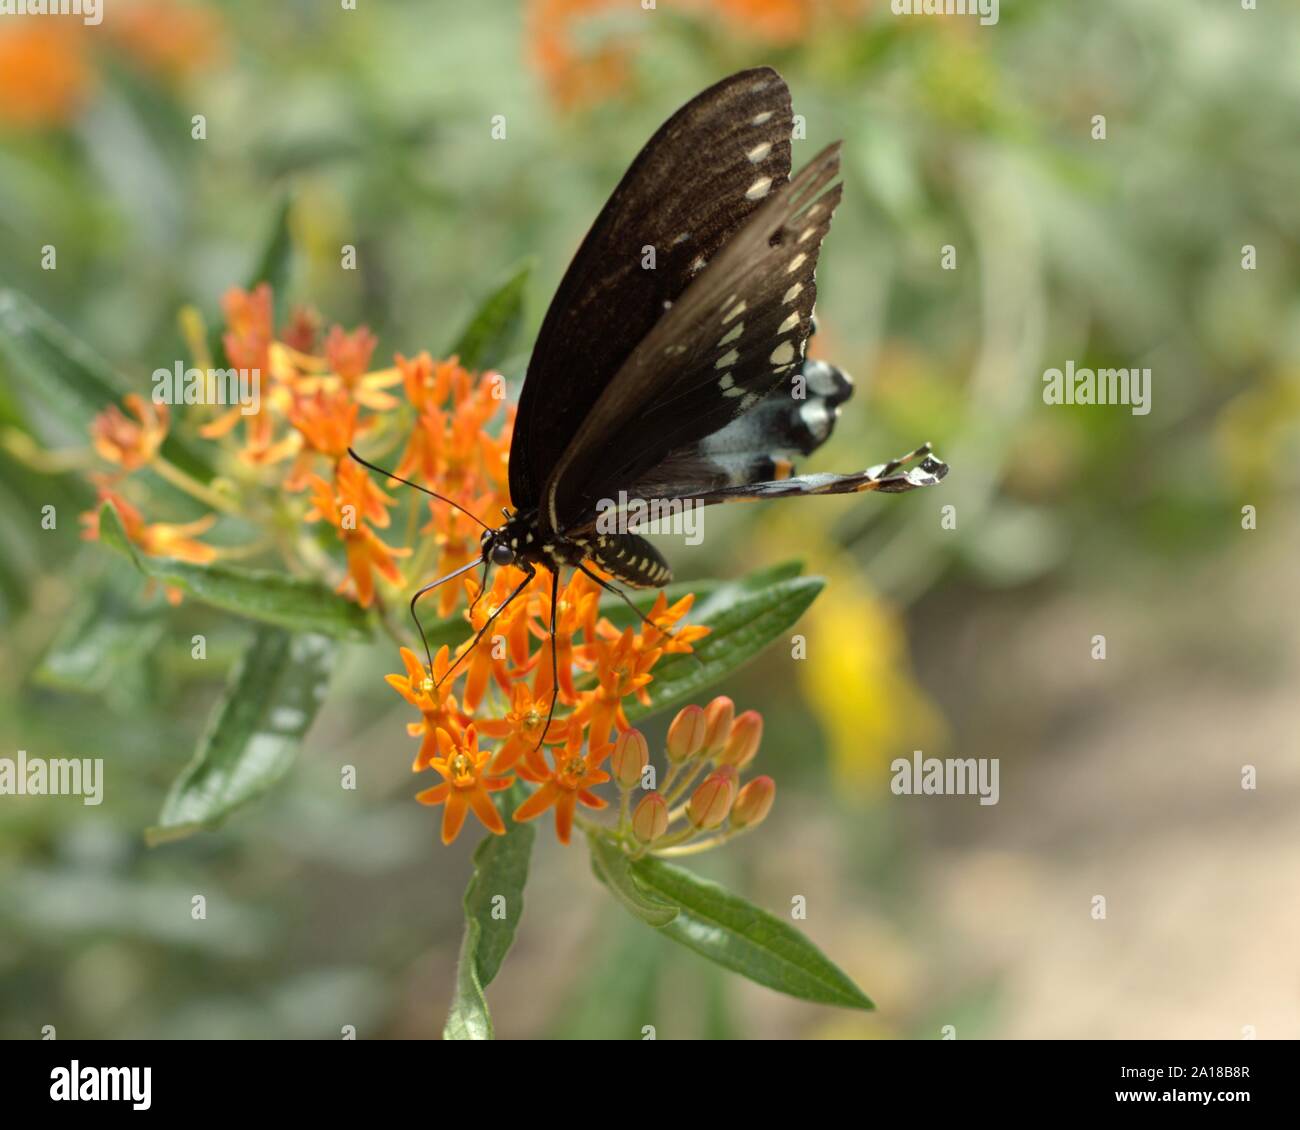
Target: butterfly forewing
<point>686,196</point>
<point>739,330</point>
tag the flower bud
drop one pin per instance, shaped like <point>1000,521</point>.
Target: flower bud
<point>719,715</point>
<point>742,745</point>
<point>650,818</point>
<point>753,803</point>
<point>686,734</point>
<point>630,757</point>
<point>711,802</point>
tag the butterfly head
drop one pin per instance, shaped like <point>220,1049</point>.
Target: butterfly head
<point>499,545</point>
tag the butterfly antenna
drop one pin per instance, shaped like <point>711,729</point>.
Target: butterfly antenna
<point>417,486</point>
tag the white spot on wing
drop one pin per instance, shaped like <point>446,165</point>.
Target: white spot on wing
<point>759,188</point>
<point>734,312</point>
<point>782,353</point>
<point>759,152</point>
<point>759,119</point>
<point>732,334</point>
<point>727,360</point>
<point>796,263</point>
<point>789,323</point>
<point>792,293</point>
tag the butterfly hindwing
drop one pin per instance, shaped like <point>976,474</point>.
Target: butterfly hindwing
<point>686,195</point>
<point>794,419</point>
<point>738,330</point>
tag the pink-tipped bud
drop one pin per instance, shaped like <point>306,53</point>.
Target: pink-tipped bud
<point>720,713</point>
<point>742,745</point>
<point>711,802</point>
<point>630,757</point>
<point>686,734</point>
<point>650,818</point>
<point>753,803</point>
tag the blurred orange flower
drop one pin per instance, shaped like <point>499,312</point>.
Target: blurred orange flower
<point>130,443</point>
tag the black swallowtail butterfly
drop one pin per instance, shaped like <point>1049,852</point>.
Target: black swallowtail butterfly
<point>677,382</point>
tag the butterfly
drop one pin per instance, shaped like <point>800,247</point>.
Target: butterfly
<point>686,381</point>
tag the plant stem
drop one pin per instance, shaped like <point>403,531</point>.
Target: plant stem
<point>191,486</point>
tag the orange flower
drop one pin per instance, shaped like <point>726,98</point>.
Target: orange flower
<point>522,728</point>
<point>327,421</point>
<point>489,658</point>
<point>157,539</point>
<point>130,443</point>
<point>567,785</point>
<point>170,39</point>
<point>576,76</point>
<point>249,326</point>
<point>45,77</point>
<point>578,603</point>
<point>347,505</point>
<point>348,357</point>
<point>465,785</point>
<point>301,332</point>
<point>426,691</point>
<point>623,668</point>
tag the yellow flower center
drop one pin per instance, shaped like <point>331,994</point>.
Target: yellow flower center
<point>462,770</point>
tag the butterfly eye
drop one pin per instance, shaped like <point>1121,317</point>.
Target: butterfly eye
<point>502,554</point>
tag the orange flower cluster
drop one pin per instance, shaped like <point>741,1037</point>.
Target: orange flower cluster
<point>551,709</point>
<point>316,395</point>
<point>505,692</point>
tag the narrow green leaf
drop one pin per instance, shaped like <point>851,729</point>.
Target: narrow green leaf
<point>612,867</point>
<point>744,621</point>
<point>497,885</point>
<point>62,371</point>
<point>486,340</point>
<point>742,937</point>
<point>273,598</point>
<point>270,702</point>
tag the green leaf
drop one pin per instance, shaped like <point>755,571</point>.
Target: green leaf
<point>62,371</point>
<point>270,702</point>
<point>69,378</point>
<point>500,869</point>
<point>612,867</point>
<point>486,340</point>
<point>272,598</point>
<point>105,645</point>
<point>744,622</point>
<point>739,936</point>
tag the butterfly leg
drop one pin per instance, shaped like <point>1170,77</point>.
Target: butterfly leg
<point>482,586</point>
<point>528,576</point>
<point>555,662</point>
<point>429,588</point>
<point>624,598</point>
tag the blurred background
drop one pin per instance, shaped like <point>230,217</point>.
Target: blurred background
<point>1119,777</point>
